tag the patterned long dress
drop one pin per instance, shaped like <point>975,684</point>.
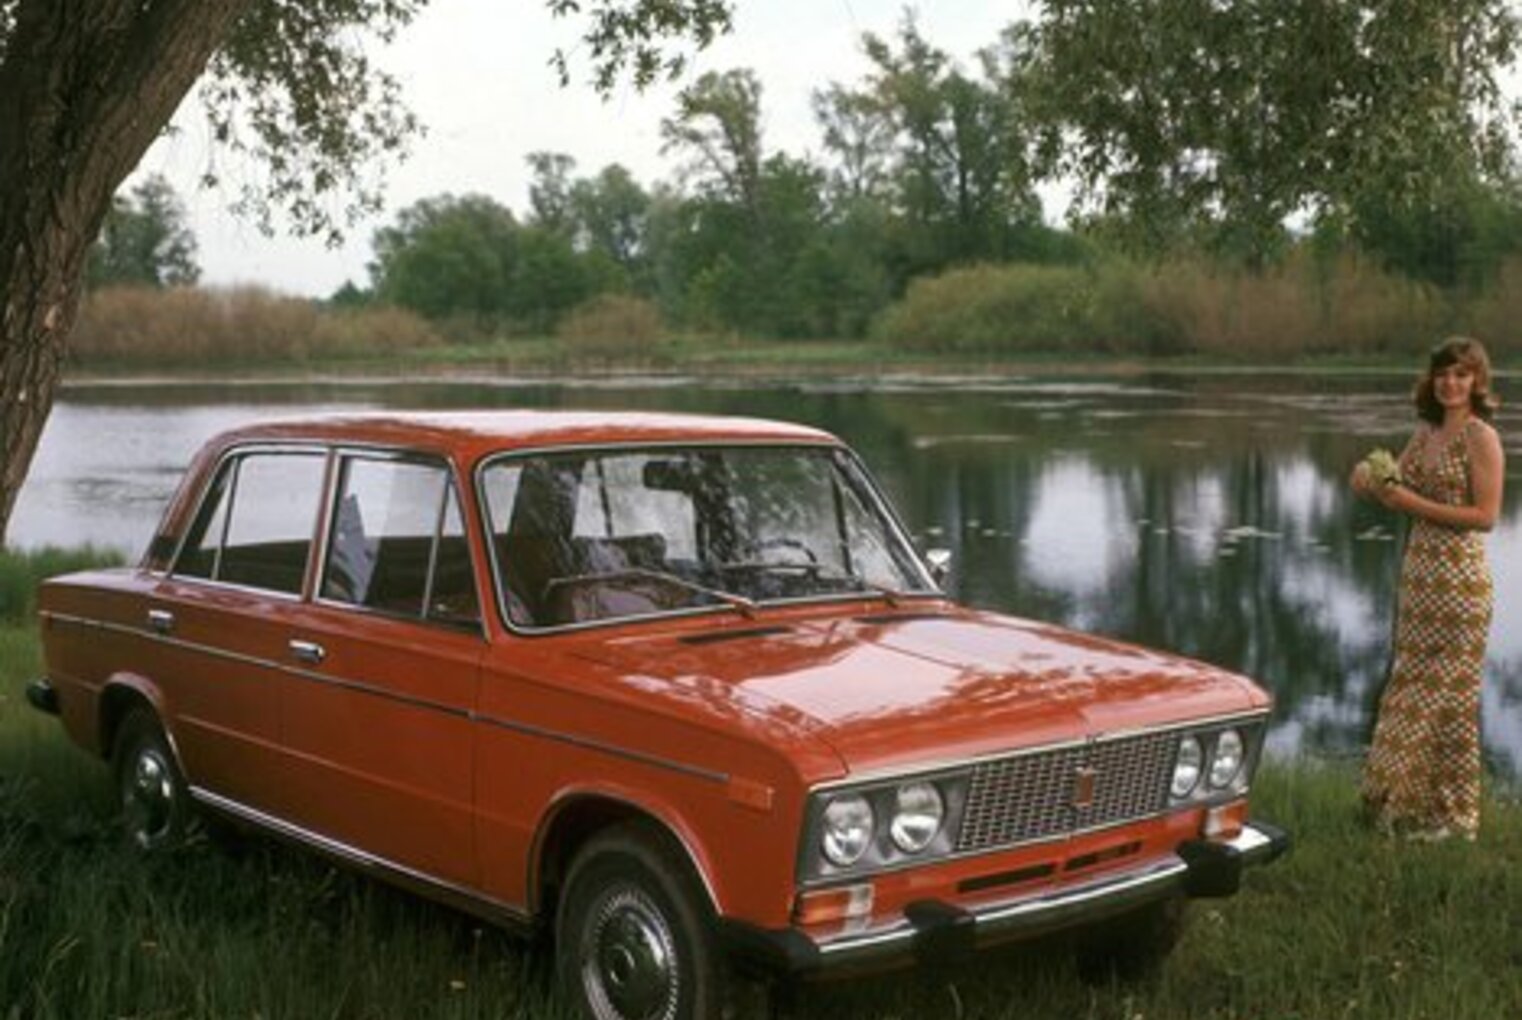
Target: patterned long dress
<point>1423,770</point>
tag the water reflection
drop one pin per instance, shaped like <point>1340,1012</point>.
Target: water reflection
<point>1207,515</point>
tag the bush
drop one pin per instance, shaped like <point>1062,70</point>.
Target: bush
<point>21,572</point>
<point>1028,309</point>
<point>612,326</point>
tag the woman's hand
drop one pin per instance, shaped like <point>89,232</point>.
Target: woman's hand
<point>1394,497</point>
<point>1362,479</point>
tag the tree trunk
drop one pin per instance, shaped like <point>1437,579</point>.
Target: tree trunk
<point>85,88</point>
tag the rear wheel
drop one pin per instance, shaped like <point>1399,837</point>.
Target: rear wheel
<point>155,802</point>
<point>632,936</point>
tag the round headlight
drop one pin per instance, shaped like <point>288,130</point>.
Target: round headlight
<point>917,816</point>
<point>1187,767</point>
<point>1226,763</point>
<point>847,830</point>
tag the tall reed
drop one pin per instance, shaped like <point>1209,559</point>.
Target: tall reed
<point>1303,307</point>
<point>234,325</point>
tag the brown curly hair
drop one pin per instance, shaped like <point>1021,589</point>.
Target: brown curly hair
<point>1457,350</point>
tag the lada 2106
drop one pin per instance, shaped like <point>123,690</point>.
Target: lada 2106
<point>674,690</point>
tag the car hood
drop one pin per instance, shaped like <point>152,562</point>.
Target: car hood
<point>913,687</point>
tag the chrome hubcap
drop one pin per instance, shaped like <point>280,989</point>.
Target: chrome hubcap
<point>148,798</point>
<point>629,965</point>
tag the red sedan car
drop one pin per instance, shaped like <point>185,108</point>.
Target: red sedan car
<point>672,689</point>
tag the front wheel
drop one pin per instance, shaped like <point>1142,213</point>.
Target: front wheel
<point>155,803</point>
<point>632,937</point>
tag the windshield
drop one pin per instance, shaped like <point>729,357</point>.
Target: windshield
<point>598,535</point>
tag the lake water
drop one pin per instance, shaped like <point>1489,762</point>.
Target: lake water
<point>1205,514</point>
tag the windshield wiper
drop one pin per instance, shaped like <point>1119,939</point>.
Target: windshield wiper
<point>746,606</point>
<point>892,596</point>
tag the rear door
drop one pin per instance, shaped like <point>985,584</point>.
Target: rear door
<point>221,616</point>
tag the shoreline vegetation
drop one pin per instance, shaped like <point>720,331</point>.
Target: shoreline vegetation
<point>1349,925</point>
<point>1110,315</point>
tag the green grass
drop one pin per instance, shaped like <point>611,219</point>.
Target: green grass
<point>21,571</point>
<point>1348,926</point>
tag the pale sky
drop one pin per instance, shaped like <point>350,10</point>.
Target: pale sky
<point>476,73</point>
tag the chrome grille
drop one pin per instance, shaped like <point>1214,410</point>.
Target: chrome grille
<point>1035,796</point>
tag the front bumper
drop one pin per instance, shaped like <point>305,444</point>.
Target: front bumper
<point>43,696</point>
<point>934,929</point>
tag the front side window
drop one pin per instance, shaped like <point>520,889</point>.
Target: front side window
<point>255,525</point>
<point>590,536</point>
<point>397,542</point>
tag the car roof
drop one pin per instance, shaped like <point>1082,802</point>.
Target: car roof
<point>469,434</point>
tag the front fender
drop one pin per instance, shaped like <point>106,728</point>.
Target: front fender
<point>621,802</point>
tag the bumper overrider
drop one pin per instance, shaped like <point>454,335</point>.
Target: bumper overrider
<point>936,930</point>
<point>42,696</point>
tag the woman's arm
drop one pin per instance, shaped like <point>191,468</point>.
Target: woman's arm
<point>1487,469</point>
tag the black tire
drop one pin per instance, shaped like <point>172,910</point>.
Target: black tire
<point>1132,947</point>
<point>633,935</point>
<point>155,802</point>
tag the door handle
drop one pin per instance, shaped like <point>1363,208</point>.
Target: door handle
<point>161,620</point>
<point>308,651</point>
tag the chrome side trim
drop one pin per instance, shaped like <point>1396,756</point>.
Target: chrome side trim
<point>696,771</point>
<point>352,854</point>
<point>360,687</point>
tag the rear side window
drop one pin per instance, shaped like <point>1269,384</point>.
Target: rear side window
<point>398,543</point>
<point>255,525</point>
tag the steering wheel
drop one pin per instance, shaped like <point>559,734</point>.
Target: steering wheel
<point>755,561</point>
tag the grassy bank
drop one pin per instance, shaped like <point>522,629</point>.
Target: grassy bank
<point>1348,926</point>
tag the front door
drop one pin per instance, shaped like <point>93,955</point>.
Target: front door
<point>383,668</point>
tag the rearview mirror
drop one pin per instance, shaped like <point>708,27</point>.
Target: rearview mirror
<point>674,475</point>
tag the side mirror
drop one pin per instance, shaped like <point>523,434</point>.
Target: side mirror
<point>939,561</point>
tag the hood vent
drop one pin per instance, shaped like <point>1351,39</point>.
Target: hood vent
<point>732,635</point>
<point>878,619</point>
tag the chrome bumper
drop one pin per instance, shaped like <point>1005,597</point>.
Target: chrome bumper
<point>933,928</point>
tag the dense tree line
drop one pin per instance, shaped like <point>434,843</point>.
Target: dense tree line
<point>1242,133</point>
<point>925,166</point>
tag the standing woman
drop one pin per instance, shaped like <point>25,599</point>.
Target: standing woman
<point>1422,779</point>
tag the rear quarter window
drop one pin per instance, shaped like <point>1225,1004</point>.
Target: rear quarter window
<point>255,525</point>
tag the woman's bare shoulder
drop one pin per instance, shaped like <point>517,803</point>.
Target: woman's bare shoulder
<point>1482,435</point>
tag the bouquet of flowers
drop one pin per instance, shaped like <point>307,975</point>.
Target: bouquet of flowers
<point>1384,469</point>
